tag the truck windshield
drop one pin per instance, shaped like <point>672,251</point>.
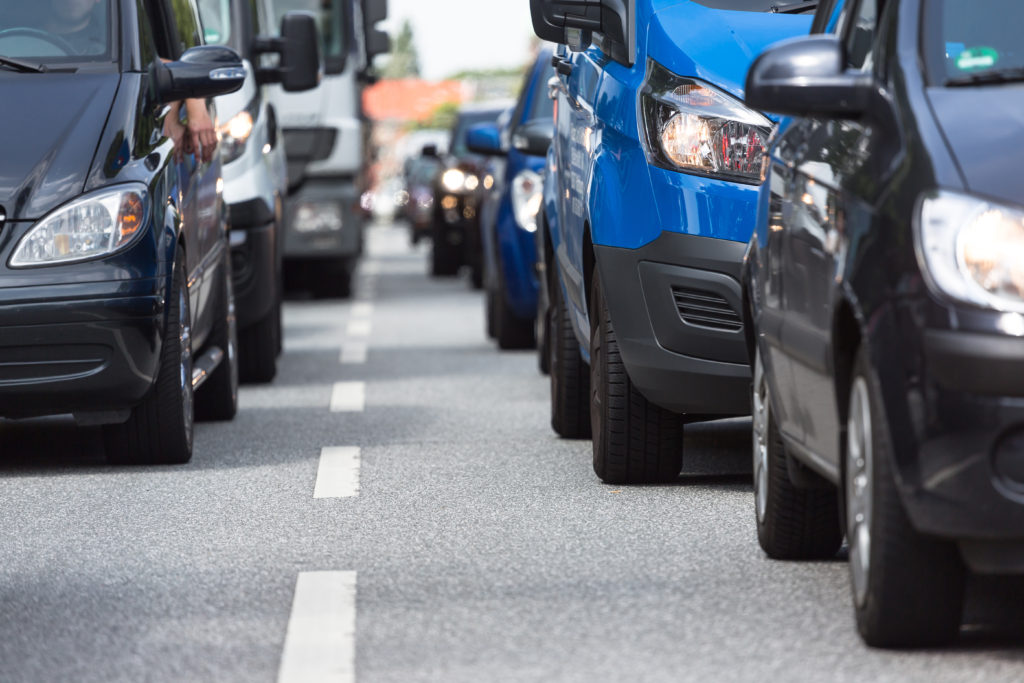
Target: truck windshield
<point>58,31</point>
<point>973,43</point>
<point>330,17</point>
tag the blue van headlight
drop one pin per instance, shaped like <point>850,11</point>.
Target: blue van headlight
<point>693,127</point>
<point>96,224</point>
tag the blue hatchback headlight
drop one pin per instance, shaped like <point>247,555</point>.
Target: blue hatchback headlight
<point>94,225</point>
<point>693,127</point>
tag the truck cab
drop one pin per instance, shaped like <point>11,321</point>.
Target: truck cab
<point>652,183</point>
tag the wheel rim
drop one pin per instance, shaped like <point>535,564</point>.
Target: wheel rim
<point>185,370</point>
<point>232,340</point>
<point>760,405</point>
<point>859,456</point>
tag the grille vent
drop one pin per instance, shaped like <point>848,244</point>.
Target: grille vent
<point>706,309</point>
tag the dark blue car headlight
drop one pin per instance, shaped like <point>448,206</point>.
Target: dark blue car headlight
<point>94,225</point>
<point>693,127</point>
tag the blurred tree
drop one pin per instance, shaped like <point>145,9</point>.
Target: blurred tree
<point>405,60</point>
<point>442,118</point>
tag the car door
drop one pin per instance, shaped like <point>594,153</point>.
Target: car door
<point>817,209</point>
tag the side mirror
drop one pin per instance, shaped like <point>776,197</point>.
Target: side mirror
<point>534,137</point>
<point>377,42</point>
<point>485,138</point>
<point>806,76</point>
<point>203,71</point>
<point>429,151</point>
<point>299,66</point>
<point>574,23</point>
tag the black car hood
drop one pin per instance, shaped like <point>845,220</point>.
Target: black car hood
<point>50,125</point>
<point>983,126</point>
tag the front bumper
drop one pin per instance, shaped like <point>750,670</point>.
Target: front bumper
<point>340,197</point>
<point>85,349</point>
<point>684,349</point>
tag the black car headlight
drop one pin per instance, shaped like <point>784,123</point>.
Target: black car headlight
<point>693,127</point>
<point>972,249</point>
<point>94,225</point>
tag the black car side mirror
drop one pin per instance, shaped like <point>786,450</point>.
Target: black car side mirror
<point>534,137</point>
<point>485,138</point>
<point>807,76</point>
<point>299,67</point>
<point>203,71</point>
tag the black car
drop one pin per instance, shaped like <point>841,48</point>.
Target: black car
<point>885,283</point>
<point>457,194</point>
<point>115,282</point>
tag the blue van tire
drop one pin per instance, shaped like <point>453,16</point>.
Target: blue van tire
<point>635,441</point>
<point>511,331</point>
<point>570,381</point>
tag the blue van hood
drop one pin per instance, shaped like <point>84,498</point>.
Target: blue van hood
<point>715,45</point>
<point>50,125</point>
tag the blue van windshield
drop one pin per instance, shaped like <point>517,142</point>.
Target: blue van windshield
<point>50,31</point>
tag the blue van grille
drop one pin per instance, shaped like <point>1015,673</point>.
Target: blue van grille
<point>706,309</point>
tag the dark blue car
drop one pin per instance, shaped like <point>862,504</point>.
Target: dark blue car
<point>509,214</point>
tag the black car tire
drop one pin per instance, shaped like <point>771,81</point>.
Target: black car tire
<point>258,348</point>
<point>511,331</point>
<point>476,275</point>
<point>543,334</point>
<point>635,441</point>
<point>217,398</point>
<point>913,585</point>
<point>160,429</point>
<point>333,279</point>
<point>489,312</point>
<point>444,256</point>
<point>792,523</point>
<point>570,380</point>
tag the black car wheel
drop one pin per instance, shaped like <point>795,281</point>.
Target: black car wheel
<point>908,588</point>
<point>792,523</point>
<point>159,430</point>
<point>217,398</point>
<point>635,441</point>
<point>570,381</point>
<point>258,346</point>
<point>445,257</point>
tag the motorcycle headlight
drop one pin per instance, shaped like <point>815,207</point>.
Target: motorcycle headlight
<point>453,179</point>
<point>97,224</point>
<point>972,249</point>
<point>691,126</point>
<point>237,131</point>
<point>526,199</point>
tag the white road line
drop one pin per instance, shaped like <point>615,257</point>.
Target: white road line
<point>348,397</point>
<point>320,645</point>
<point>359,328</point>
<point>362,310</point>
<point>353,352</point>
<point>338,473</point>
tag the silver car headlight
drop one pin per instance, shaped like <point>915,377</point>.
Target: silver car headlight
<point>94,225</point>
<point>527,195</point>
<point>235,133</point>
<point>972,249</point>
<point>693,127</point>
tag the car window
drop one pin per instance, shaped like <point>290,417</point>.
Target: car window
<point>216,17</point>
<point>186,17</point>
<point>969,41</point>
<point>59,31</point>
<point>543,107</point>
<point>861,37</point>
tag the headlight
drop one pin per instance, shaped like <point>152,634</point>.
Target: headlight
<point>453,179</point>
<point>526,199</point>
<point>236,132</point>
<point>693,127</point>
<point>972,249</point>
<point>97,224</point>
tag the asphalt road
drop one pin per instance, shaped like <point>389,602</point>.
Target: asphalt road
<point>445,534</point>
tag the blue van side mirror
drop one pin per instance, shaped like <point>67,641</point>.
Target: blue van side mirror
<point>485,138</point>
<point>203,71</point>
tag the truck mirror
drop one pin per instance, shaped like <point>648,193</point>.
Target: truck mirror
<point>575,22</point>
<point>299,67</point>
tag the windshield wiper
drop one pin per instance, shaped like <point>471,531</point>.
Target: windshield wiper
<point>22,66</point>
<point>1008,75</point>
<point>793,8</point>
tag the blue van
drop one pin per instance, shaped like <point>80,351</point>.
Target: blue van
<point>508,215</point>
<point>649,201</point>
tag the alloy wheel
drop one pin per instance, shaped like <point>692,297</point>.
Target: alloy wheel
<point>760,408</point>
<point>185,369</point>
<point>859,466</point>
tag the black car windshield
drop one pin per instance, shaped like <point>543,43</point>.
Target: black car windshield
<point>466,121</point>
<point>58,32</point>
<point>974,43</point>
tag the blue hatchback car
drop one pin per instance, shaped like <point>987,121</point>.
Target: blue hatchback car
<point>509,212</point>
<point>649,200</point>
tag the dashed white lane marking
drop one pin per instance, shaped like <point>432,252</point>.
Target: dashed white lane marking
<point>320,644</point>
<point>338,473</point>
<point>362,310</point>
<point>359,327</point>
<point>348,397</point>
<point>353,352</point>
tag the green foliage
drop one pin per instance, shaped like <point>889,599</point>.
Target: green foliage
<point>405,59</point>
<point>443,117</point>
